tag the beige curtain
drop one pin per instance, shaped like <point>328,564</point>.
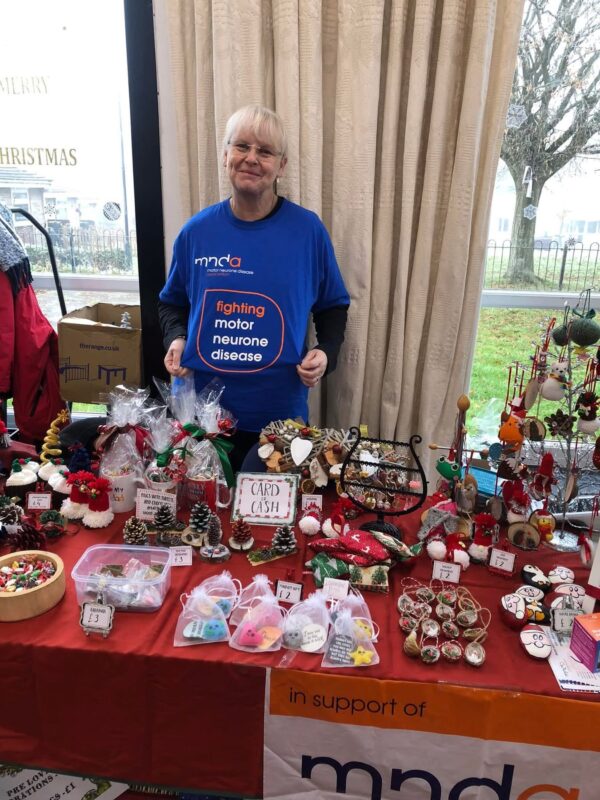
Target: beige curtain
<point>395,112</point>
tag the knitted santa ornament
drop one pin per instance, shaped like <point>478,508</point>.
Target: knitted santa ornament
<point>486,530</point>
<point>310,521</point>
<point>98,514</point>
<point>76,505</point>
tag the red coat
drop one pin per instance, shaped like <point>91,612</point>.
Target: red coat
<point>28,361</point>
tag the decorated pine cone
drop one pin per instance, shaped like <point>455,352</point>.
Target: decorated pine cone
<point>135,531</point>
<point>163,519</point>
<point>26,538</point>
<point>10,514</point>
<point>241,531</point>
<point>200,517</point>
<point>214,531</point>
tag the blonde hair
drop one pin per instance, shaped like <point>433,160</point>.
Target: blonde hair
<point>261,121</point>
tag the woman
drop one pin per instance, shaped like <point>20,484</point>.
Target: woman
<point>246,274</point>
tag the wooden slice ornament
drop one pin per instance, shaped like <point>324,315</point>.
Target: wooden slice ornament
<point>534,429</point>
<point>523,535</point>
<point>494,507</point>
<point>531,393</point>
<point>571,487</point>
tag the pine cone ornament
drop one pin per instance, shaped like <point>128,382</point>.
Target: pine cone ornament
<point>284,541</point>
<point>241,535</point>
<point>26,538</point>
<point>164,519</point>
<point>214,531</point>
<point>200,517</point>
<point>135,531</point>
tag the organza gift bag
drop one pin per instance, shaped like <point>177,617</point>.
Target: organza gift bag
<point>201,621</point>
<point>223,590</point>
<point>260,586</point>
<point>306,625</point>
<point>261,629</point>
<point>349,644</point>
<point>356,604</point>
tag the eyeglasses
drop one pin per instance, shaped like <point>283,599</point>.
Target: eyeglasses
<point>262,153</point>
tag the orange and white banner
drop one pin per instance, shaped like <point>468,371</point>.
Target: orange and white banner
<point>330,737</point>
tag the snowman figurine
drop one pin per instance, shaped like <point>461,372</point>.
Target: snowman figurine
<point>556,384</point>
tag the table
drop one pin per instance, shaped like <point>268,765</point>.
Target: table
<point>136,709</point>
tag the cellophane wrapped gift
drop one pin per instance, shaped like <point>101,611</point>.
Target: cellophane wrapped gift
<point>120,444</point>
<point>208,425</point>
<point>165,468</point>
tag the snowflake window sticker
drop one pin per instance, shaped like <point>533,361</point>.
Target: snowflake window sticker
<point>516,116</point>
<point>529,212</point>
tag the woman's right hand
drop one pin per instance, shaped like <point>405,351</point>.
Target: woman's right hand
<point>173,359</point>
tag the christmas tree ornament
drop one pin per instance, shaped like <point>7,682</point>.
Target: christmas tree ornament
<point>135,531</point>
<point>474,654</point>
<point>536,641</point>
<point>485,534</point>
<point>241,535</point>
<point>51,447</point>
<point>310,521</point>
<point>523,535</point>
<point>411,645</point>
<point>451,651</point>
<point>214,550</point>
<point>76,505</point>
<point>98,513</point>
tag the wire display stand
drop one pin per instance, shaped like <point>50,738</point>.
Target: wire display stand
<point>384,477</point>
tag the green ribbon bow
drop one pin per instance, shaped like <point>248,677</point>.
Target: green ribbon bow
<point>222,446</point>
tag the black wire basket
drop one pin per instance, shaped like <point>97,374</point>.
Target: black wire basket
<point>383,481</point>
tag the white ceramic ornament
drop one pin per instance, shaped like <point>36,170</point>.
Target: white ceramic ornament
<point>265,450</point>
<point>536,641</point>
<point>369,462</point>
<point>300,450</point>
<point>318,474</point>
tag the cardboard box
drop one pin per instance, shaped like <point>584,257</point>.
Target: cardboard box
<point>585,640</point>
<point>96,354</point>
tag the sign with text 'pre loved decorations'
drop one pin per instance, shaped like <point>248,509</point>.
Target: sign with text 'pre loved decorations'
<point>263,499</point>
<point>335,736</point>
<point>36,784</point>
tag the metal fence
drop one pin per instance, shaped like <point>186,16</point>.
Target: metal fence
<point>566,267</point>
<point>83,251</point>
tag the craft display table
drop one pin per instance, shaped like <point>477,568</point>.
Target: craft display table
<point>136,709</point>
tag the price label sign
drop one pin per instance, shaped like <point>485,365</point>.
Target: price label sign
<point>335,588</point>
<point>289,592</point>
<point>502,561</point>
<point>97,618</point>
<point>562,619</point>
<point>39,501</point>
<point>312,500</point>
<point>148,501</point>
<point>445,571</point>
<point>181,556</point>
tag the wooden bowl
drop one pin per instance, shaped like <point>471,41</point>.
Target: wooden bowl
<point>31,602</point>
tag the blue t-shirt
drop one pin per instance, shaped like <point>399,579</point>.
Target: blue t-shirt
<point>250,287</point>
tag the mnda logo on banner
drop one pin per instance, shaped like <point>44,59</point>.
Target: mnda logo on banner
<point>401,782</point>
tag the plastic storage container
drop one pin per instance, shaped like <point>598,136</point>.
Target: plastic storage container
<point>129,577</point>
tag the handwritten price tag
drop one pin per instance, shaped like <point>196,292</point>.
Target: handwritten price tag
<point>289,592</point>
<point>182,556</point>
<point>335,588</point>
<point>312,500</point>
<point>445,571</point>
<point>39,501</point>
<point>502,560</point>
<point>97,618</point>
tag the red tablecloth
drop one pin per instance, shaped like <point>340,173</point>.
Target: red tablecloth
<point>134,708</point>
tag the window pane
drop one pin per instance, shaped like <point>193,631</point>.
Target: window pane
<point>65,152</point>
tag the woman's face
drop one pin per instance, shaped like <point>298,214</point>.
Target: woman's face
<point>253,163</point>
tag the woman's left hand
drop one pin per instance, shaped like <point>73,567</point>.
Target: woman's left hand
<point>312,368</point>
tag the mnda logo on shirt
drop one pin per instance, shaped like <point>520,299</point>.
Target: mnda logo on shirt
<point>219,261</point>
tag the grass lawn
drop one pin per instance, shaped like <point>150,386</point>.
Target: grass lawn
<point>505,335</point>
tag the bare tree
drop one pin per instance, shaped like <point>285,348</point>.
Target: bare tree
<point>556,100</point>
